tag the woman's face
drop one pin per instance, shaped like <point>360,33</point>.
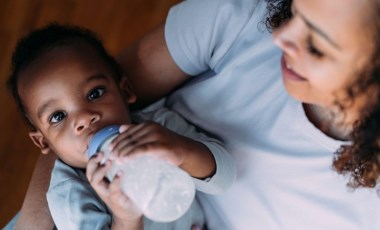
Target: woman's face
<point>325,45</point>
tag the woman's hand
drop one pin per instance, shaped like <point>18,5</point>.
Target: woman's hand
<point>149,138</point>
<point>153,139</point>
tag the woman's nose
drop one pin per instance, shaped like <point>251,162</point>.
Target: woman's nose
<point>85,119</point>
<point>288,37</point>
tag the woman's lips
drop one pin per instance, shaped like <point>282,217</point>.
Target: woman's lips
<point>288,73</point>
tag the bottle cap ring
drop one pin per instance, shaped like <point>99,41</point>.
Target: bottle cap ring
<point>99,138</point>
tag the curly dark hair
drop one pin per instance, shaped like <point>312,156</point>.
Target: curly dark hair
<point>361,159</point>
<point>43,40</point>
<point>279,11</point>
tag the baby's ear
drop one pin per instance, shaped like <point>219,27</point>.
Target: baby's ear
<point>39,140</point>
<point>127,89</point>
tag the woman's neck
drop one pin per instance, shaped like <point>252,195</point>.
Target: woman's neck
<point>329,121</point>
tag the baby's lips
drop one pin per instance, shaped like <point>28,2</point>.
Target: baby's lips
<point>88,139</point>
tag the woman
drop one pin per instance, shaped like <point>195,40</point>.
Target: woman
<point>291,136</point>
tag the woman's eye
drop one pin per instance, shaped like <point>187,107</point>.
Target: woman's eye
<point>57,117</point>
<point>313,50</point>
<point>95,93</point>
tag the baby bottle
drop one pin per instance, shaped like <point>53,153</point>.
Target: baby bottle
<point>162,191</point>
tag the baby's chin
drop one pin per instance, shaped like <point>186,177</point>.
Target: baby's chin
<point>81,165</point>
<point>77,163</point>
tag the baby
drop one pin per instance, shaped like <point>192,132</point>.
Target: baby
<point>68,87</point>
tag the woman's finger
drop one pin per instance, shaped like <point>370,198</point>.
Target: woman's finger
<point>125,147</point>
<point>134,132</point>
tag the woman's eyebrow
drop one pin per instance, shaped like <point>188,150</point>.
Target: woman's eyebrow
<point>318,31</point>
<point>314,28</point>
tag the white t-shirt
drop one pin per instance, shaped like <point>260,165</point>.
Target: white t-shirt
<point>284,174</point>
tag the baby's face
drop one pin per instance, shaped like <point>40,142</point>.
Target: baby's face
<point>69,94</point>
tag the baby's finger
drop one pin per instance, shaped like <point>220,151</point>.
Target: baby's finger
<point>100,172</point>
<point>98,180</point>
<point>93,164</point>
<point>115,190</point>
<point>115,185</point>
<point>197,227</point>
<point>102,188</point>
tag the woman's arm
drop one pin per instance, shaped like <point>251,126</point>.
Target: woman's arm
<point>150,68</point>
<point>34,213</point>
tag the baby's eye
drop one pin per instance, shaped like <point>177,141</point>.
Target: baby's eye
<point>57,117</point>
<point>95,93</point>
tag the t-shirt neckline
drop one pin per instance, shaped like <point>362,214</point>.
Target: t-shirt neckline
<point>309,129</point>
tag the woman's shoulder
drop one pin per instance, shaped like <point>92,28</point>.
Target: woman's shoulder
<point>221,7</point>
<point>199,33</point>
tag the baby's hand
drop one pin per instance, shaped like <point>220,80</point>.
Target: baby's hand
<point>123,209</point>
<point>149,138</point>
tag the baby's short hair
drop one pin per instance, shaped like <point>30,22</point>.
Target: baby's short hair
<point>42,40</point>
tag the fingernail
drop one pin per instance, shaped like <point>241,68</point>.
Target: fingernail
<point>119,173</point>
<point>196,227</point>
<point>123,128</point>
